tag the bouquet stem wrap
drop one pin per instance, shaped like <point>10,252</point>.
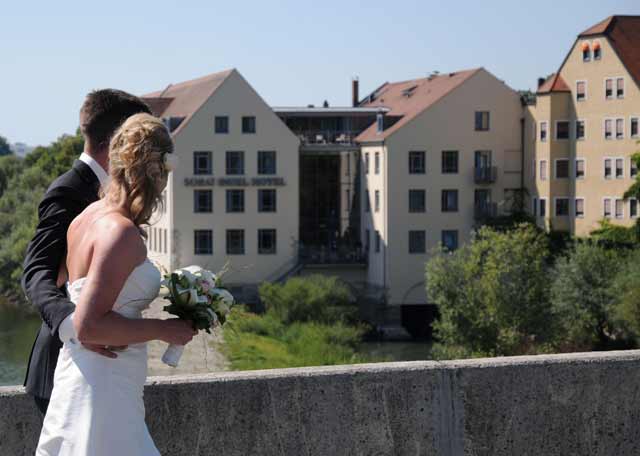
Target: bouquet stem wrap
<point>172,355</point>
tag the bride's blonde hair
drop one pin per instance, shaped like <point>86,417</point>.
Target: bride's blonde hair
<point>137,166</point>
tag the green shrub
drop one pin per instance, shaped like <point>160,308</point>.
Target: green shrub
<point>314,298</point>
<point>627,286</point>
<point>492,294</point>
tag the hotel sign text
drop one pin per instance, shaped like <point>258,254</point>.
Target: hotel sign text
<point>234,181</point>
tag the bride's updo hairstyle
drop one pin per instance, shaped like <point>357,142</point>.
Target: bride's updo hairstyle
<point>138,167</point>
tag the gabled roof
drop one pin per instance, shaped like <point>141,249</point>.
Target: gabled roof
<point>183,99</point>
<point>554,83</point>
<point>407,99</point>
<point>623,33</point>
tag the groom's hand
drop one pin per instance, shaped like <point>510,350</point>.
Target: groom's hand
<point>102,350</point>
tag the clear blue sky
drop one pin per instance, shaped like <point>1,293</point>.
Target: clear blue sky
<point>292,52</point>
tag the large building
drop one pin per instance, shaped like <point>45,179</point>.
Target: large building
<point>582,130</point>
<point>368,191</point>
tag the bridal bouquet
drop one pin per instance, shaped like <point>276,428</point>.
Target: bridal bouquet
<point>195,294</point>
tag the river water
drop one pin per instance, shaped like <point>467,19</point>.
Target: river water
<point>18,330</point>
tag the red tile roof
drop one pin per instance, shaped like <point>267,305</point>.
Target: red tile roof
<point>407,99</point>
<point>624,34</point>
<point>185,98</point>
<point>554,83</point>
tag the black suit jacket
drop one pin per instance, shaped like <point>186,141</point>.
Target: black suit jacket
<point>67,196</point>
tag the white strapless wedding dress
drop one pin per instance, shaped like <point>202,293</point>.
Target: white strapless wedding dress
<point>96,406</point>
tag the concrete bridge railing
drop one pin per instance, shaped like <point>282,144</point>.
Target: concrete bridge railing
<point>578,404</point>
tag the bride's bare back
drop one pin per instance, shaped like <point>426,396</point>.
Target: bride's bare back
<point>95,225</point>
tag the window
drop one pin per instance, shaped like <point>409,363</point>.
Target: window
<point>579,207</point>
<point>367,206</point>
<point>267,242</point>
<point>562,168</point>
<point>248,124</point>
<point>608,88</point>
<point>450,161</point>
<point>417,200</point>
<point>203,242</point>
<point>607,168</point>
<point>543,170</point>
<point>235,242</point>
<point>377,200</point>
<point>580,129</point>
<point>416,162</point>
<point>619,208</point>
<point>619,168</point>
<point>620,87</point>
<point>267,200</point>
<point>562,129</point>
<point>266,162</point>
<point>562,206</point>
<point>449,200</point>
<point>202,201</point>
<point>607,207</point>
<point>376,163</point>
<point>580,168</point>
<point>597,51</point>
<point>586,52</point>
<point>581,90</point>
<point>534,206</point>
<point>619,128</point>
<point>202,163</point>
<point>417,241</point>
<point>235,163</point>
<point>367,240</point>
<point>633,168</point>
<point>347,194</point>
<point>235,200</point>
<point>543,131</point>
<point>380,122</point>
<point>543,207</point>
<point>377,241</point>
<point>450,240</point>
<point>366,162</point>
<point>482,120</point>
<point>633,208</point>
<point>633,128</point>
<point>347,160</point>
<point>608,126</point>
<point>221,124</point>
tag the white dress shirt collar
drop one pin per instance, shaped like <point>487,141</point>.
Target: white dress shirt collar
<point>98,170</point>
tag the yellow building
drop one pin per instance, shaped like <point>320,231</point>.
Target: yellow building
<point>582,130</point>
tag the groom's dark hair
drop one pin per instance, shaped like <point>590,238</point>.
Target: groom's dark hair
<point>103,111</point>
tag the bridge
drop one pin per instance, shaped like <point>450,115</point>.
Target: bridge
<point>573,404</point>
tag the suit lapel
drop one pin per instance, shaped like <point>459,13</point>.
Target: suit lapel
<point>90,179</point>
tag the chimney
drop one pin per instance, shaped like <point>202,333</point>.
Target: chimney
<point>541,81</point>
<point>355,99</point>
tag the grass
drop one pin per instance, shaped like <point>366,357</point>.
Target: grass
<point>264,342</point>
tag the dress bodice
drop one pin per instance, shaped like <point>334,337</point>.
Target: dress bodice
<point>140,288</point>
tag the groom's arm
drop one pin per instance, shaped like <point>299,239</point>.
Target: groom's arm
<point>45,254</point>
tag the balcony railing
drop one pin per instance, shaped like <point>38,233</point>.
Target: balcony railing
<point>483,211</point>
<point>325,137</point>
<point>324,255</point>
<point>485,174</point>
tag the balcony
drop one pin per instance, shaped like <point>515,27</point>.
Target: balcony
<point>327,137</point>
<point>484,211</point>
<point>340,254</point>
<point>485,174</point>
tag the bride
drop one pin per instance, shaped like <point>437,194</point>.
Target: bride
<point>96,406</point>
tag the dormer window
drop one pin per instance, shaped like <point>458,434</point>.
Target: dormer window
<point>597,51</point>
<point>380,122</point>
<point>586,52</point>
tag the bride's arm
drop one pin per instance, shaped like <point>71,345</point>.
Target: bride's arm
<point>115,255</point>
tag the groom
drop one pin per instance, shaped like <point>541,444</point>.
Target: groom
<point>101,114</point>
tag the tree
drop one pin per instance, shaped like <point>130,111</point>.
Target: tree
<point>627,286</point>
<point>583,297</point>
<point>492,294</point>
<point>5,149</point>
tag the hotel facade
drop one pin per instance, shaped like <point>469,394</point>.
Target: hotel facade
<point>368,191</point>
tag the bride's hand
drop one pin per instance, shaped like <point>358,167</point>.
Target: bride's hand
<point>177,331</point>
